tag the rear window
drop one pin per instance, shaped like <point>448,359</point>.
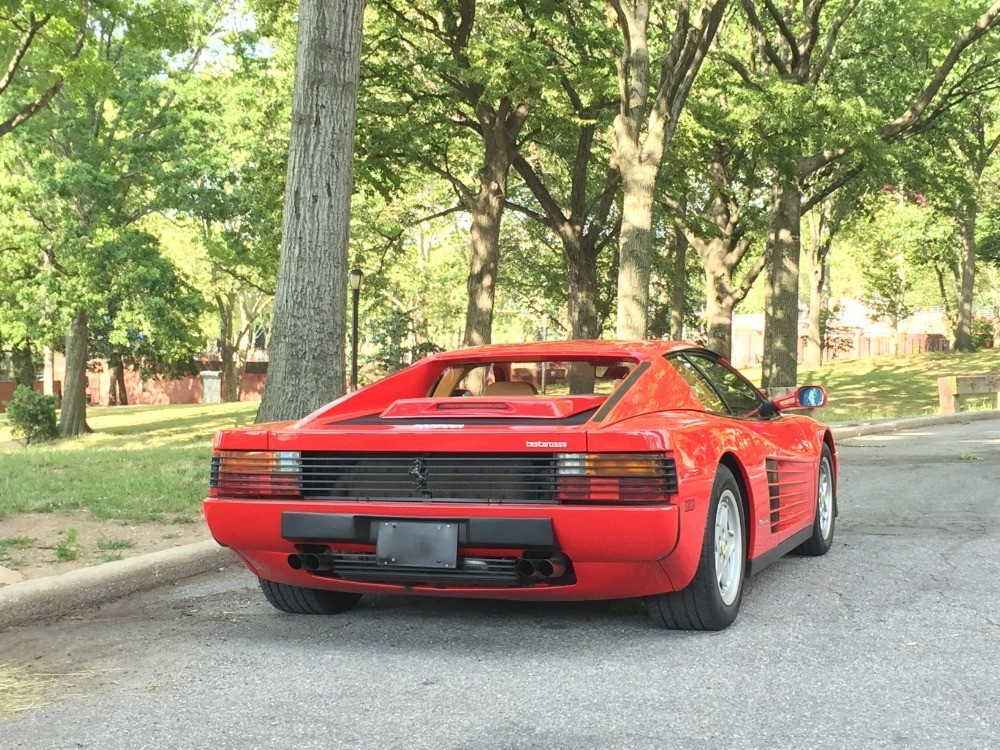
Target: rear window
<point>532,378</point>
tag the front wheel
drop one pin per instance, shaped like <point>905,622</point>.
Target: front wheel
<point>712,600</point>
<point>826,510</point>
<point>303,601</point>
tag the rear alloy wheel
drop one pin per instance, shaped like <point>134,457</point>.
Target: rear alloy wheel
<point>712,599</point>
<point>826,510</point>
<point>303,601</point>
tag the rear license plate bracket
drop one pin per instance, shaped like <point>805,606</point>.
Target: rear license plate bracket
<point>417,544</point>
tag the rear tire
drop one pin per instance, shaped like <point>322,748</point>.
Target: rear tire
<point>303,601</point>
<point>712,600</point>
<point>826,510</point>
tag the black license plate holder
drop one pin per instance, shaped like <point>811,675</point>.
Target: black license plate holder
<point>417,544</point>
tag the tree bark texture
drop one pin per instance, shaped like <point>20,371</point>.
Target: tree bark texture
<point>635,253</point>
<point>644,127</point>
<point>306,366</point>
<point>678,286</point>
<point>818,252</point>
<point>963,328</point>
<point>781,308</point>
<point>73,418</point>
<point>718,317</point>
<point>484,249</point>
<point>500,128</point>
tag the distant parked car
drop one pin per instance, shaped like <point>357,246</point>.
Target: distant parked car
<point>649,470</point>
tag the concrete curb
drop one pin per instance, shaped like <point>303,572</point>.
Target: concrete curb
<point>843,430</point>
<point>55,596</point>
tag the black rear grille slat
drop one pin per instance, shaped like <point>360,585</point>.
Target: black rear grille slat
<point>363,567</point>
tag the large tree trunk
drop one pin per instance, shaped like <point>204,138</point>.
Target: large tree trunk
<point>678,286</point>
<point>581,288</point>
<point>499,130</point>
<point>73,418</point>
<point>719,305</point>
<point>781,307</point>
<point>484,256</point>
<point>306,366</point>
<point>963,330</point>
<point>635,252</point>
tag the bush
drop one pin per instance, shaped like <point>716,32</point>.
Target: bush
<point>982,333</point>
<point>32,416</point>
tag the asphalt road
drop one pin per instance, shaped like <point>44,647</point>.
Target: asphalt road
<point>891,640</point>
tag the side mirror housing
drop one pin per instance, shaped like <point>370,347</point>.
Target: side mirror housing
<point>803,397</point>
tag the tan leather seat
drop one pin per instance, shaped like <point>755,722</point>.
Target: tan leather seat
<point>510,388</point>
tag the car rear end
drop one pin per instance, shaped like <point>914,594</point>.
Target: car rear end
<point>501,511</point>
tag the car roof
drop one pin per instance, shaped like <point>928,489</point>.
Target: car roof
<point>556,350</point>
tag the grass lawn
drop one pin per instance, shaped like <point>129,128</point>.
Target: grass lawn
<point>880,387</point>
<point>142,463</point>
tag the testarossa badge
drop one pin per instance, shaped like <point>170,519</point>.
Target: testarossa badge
<point>544,444</point>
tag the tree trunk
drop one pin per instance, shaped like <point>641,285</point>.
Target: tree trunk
<point>499,130</point>
<point>635,252</point>
<point>117,395</point>
<point>122,391</point>
<point>73,418</point>
<point>719,305</point>
<point>963,330</point>
<point>678,286</point>
<point>812,355</point>
<point>581,287</point>
<point>781,307</point>
<point>306,368</point>
<point>484,256</point>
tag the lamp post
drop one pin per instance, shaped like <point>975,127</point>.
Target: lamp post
<point>355,293</point>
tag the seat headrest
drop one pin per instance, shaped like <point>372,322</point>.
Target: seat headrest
<point>615,372</point>
<point>510,388</point>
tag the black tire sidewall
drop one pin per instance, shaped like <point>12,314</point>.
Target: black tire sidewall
<point>820,541</point>
<point>725,613</point>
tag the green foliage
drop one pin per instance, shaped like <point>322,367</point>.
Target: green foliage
<point>982,333</point>
<point>32,416</point>
<point>395,344</point>
<point>897,246</point>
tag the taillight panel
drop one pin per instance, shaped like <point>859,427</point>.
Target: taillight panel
<point>615,477</point>
<point>256,474</point>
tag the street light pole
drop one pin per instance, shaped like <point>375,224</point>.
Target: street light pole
<point>355,294</point>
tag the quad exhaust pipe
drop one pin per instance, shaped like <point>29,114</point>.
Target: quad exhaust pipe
<point>543,568</point>
<point>310,562</point>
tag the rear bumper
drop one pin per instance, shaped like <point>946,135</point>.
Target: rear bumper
<point>616,552</point>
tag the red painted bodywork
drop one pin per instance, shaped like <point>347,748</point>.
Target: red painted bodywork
<point>616,551</point>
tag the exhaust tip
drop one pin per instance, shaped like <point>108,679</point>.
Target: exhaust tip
<point>295,562</point>
<point>525,567</point>
<point>545,568</point>
<point>311,562</point>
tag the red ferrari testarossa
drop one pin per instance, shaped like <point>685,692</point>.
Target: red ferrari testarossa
<point>547,471</point>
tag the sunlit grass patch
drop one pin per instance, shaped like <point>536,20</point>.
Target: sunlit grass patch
<point>886,387</point>
<point>141,464</point>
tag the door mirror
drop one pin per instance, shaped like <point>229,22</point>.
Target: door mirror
<point>803,397</point>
